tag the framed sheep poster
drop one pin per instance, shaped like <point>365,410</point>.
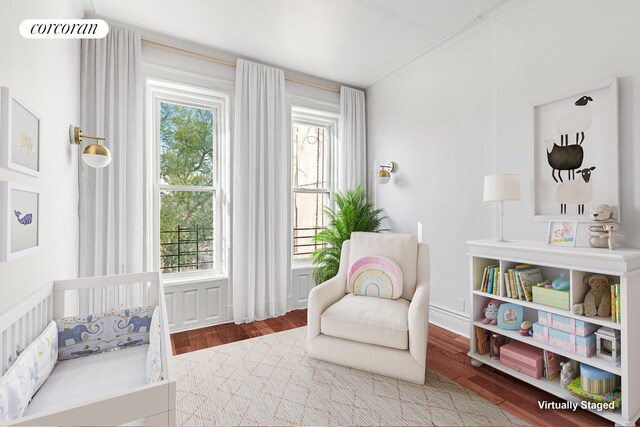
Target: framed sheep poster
<point>575,152</point>
<point>19,220</point>
<point>19,135</point>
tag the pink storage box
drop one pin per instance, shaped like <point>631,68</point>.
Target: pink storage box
<point>583,346</point>
<point>567,324</point>
<point>523,358</point>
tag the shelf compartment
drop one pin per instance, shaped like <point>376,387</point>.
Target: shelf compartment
<point>552,387</point>
<point>601,321</point>
<point>515,335</point>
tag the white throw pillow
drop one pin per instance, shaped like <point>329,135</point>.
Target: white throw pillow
<point>155,372</point>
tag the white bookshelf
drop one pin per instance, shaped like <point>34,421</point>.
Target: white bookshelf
<point>623,264</point>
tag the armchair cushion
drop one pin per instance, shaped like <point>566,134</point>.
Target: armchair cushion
<point>368,320</point>
<point>375,276</point>
<point>400,247</point>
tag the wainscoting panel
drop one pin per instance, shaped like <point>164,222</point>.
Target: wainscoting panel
<point>197,304</point>
<point>301,284</point>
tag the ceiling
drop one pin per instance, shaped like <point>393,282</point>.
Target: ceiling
<point>354,42</point>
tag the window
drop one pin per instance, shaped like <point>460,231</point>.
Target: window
<point>312,137</point>
<point>186,127</point>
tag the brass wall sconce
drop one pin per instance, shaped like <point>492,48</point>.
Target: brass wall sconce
<point>94,155</point>
<point>384,174</point>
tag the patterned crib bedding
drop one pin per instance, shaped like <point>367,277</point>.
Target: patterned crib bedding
<point>83,379</point>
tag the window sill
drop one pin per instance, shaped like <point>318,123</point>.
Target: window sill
<point>302,265</point>
<point>174,279</point>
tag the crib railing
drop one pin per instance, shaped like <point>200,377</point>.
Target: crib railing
<point>23,324</point>
<point>96,294</point>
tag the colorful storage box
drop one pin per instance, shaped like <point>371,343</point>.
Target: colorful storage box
<point>523,358</point>
<point>583,346</point>
<point>551,297</point>
<point>567,324</point>
<point>615,396</point>
<point>596,381</point>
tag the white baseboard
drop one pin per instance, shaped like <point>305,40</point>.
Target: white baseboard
<point>451,320</point>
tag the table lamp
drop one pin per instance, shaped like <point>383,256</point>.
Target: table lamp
<point>499,188</point>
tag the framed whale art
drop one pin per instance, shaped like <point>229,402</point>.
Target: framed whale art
<point>575,152</point>
<point>19,220</point>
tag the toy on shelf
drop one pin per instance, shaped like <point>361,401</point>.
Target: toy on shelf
<point>567,374</point>
<point>611,230</point>
<point>608,345</point>
<point>577,309</point>
<point>526,329</point>
<point>491,312</point>
<point>597,302</point>
<point>561,283</point>
<point>601,216</point>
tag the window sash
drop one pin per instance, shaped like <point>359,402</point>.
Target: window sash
<point>184,94</point>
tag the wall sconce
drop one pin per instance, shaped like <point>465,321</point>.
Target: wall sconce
<point>384,174</point>
<point>94,155</point>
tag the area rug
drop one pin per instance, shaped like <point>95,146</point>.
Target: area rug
<point>270,381</point>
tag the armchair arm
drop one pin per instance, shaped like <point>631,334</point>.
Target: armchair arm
<point>419,309</point>
<point>320,298</point>
<point>326,294</point>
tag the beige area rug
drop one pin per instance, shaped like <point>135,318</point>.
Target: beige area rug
<point>269,380</point>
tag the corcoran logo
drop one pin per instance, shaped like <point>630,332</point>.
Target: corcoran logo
<point>64,28</point>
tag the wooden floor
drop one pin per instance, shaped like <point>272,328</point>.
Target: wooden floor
<point>446,354</point>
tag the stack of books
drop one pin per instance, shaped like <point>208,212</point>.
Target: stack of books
<point>520,280</point>
<point>615,304</point>
<point>491,280</point>
<point>551,364</point>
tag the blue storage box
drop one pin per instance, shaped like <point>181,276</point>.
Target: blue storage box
<point>583,346</point>
<point>567,324</point>
<point>597,381</point>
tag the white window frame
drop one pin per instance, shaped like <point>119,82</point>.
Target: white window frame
<point>329,120</point>
<point>159,91</point>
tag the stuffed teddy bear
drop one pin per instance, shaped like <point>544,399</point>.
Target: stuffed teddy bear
<point>597,302</point>
<point>491,312</point>
<point>600,215</point>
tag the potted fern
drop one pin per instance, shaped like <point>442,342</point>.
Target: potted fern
<point>353,212</point>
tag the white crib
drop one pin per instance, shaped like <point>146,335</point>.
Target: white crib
<point>154,403</point>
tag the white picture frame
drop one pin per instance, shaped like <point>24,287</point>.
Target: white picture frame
<point>20,130</point>
<point>562,233</point>
<point>598,152</point>
<point>19,220</point>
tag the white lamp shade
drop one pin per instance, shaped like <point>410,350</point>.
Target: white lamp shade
<point>501,187</point>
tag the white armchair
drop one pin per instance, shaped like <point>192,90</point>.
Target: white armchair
<point>383,336</point>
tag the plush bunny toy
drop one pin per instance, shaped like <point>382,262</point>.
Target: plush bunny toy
<point>491,312</point>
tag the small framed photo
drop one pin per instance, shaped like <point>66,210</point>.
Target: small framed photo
<point>562,233</point>
<point>19,220</point>
<point>19,135</point>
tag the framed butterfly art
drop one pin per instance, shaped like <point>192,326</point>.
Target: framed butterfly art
<point>19,220</point>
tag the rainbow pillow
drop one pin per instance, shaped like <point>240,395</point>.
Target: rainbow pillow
<point>375,276</point>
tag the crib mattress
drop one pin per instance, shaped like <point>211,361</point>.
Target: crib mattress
<point>76,381</point>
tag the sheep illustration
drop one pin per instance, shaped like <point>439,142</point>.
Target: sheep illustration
<point>577,121</point>
<point>564,158</point>
<point>577,191</point>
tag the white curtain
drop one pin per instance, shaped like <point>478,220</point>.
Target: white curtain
<point>261,189</point>
<point>111,198</point>
<point>352,154</point>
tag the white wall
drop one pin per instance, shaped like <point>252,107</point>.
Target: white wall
<point>464,110</point>
<point>45,75</point>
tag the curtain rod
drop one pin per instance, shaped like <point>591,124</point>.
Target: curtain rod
<point>230,63</point>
